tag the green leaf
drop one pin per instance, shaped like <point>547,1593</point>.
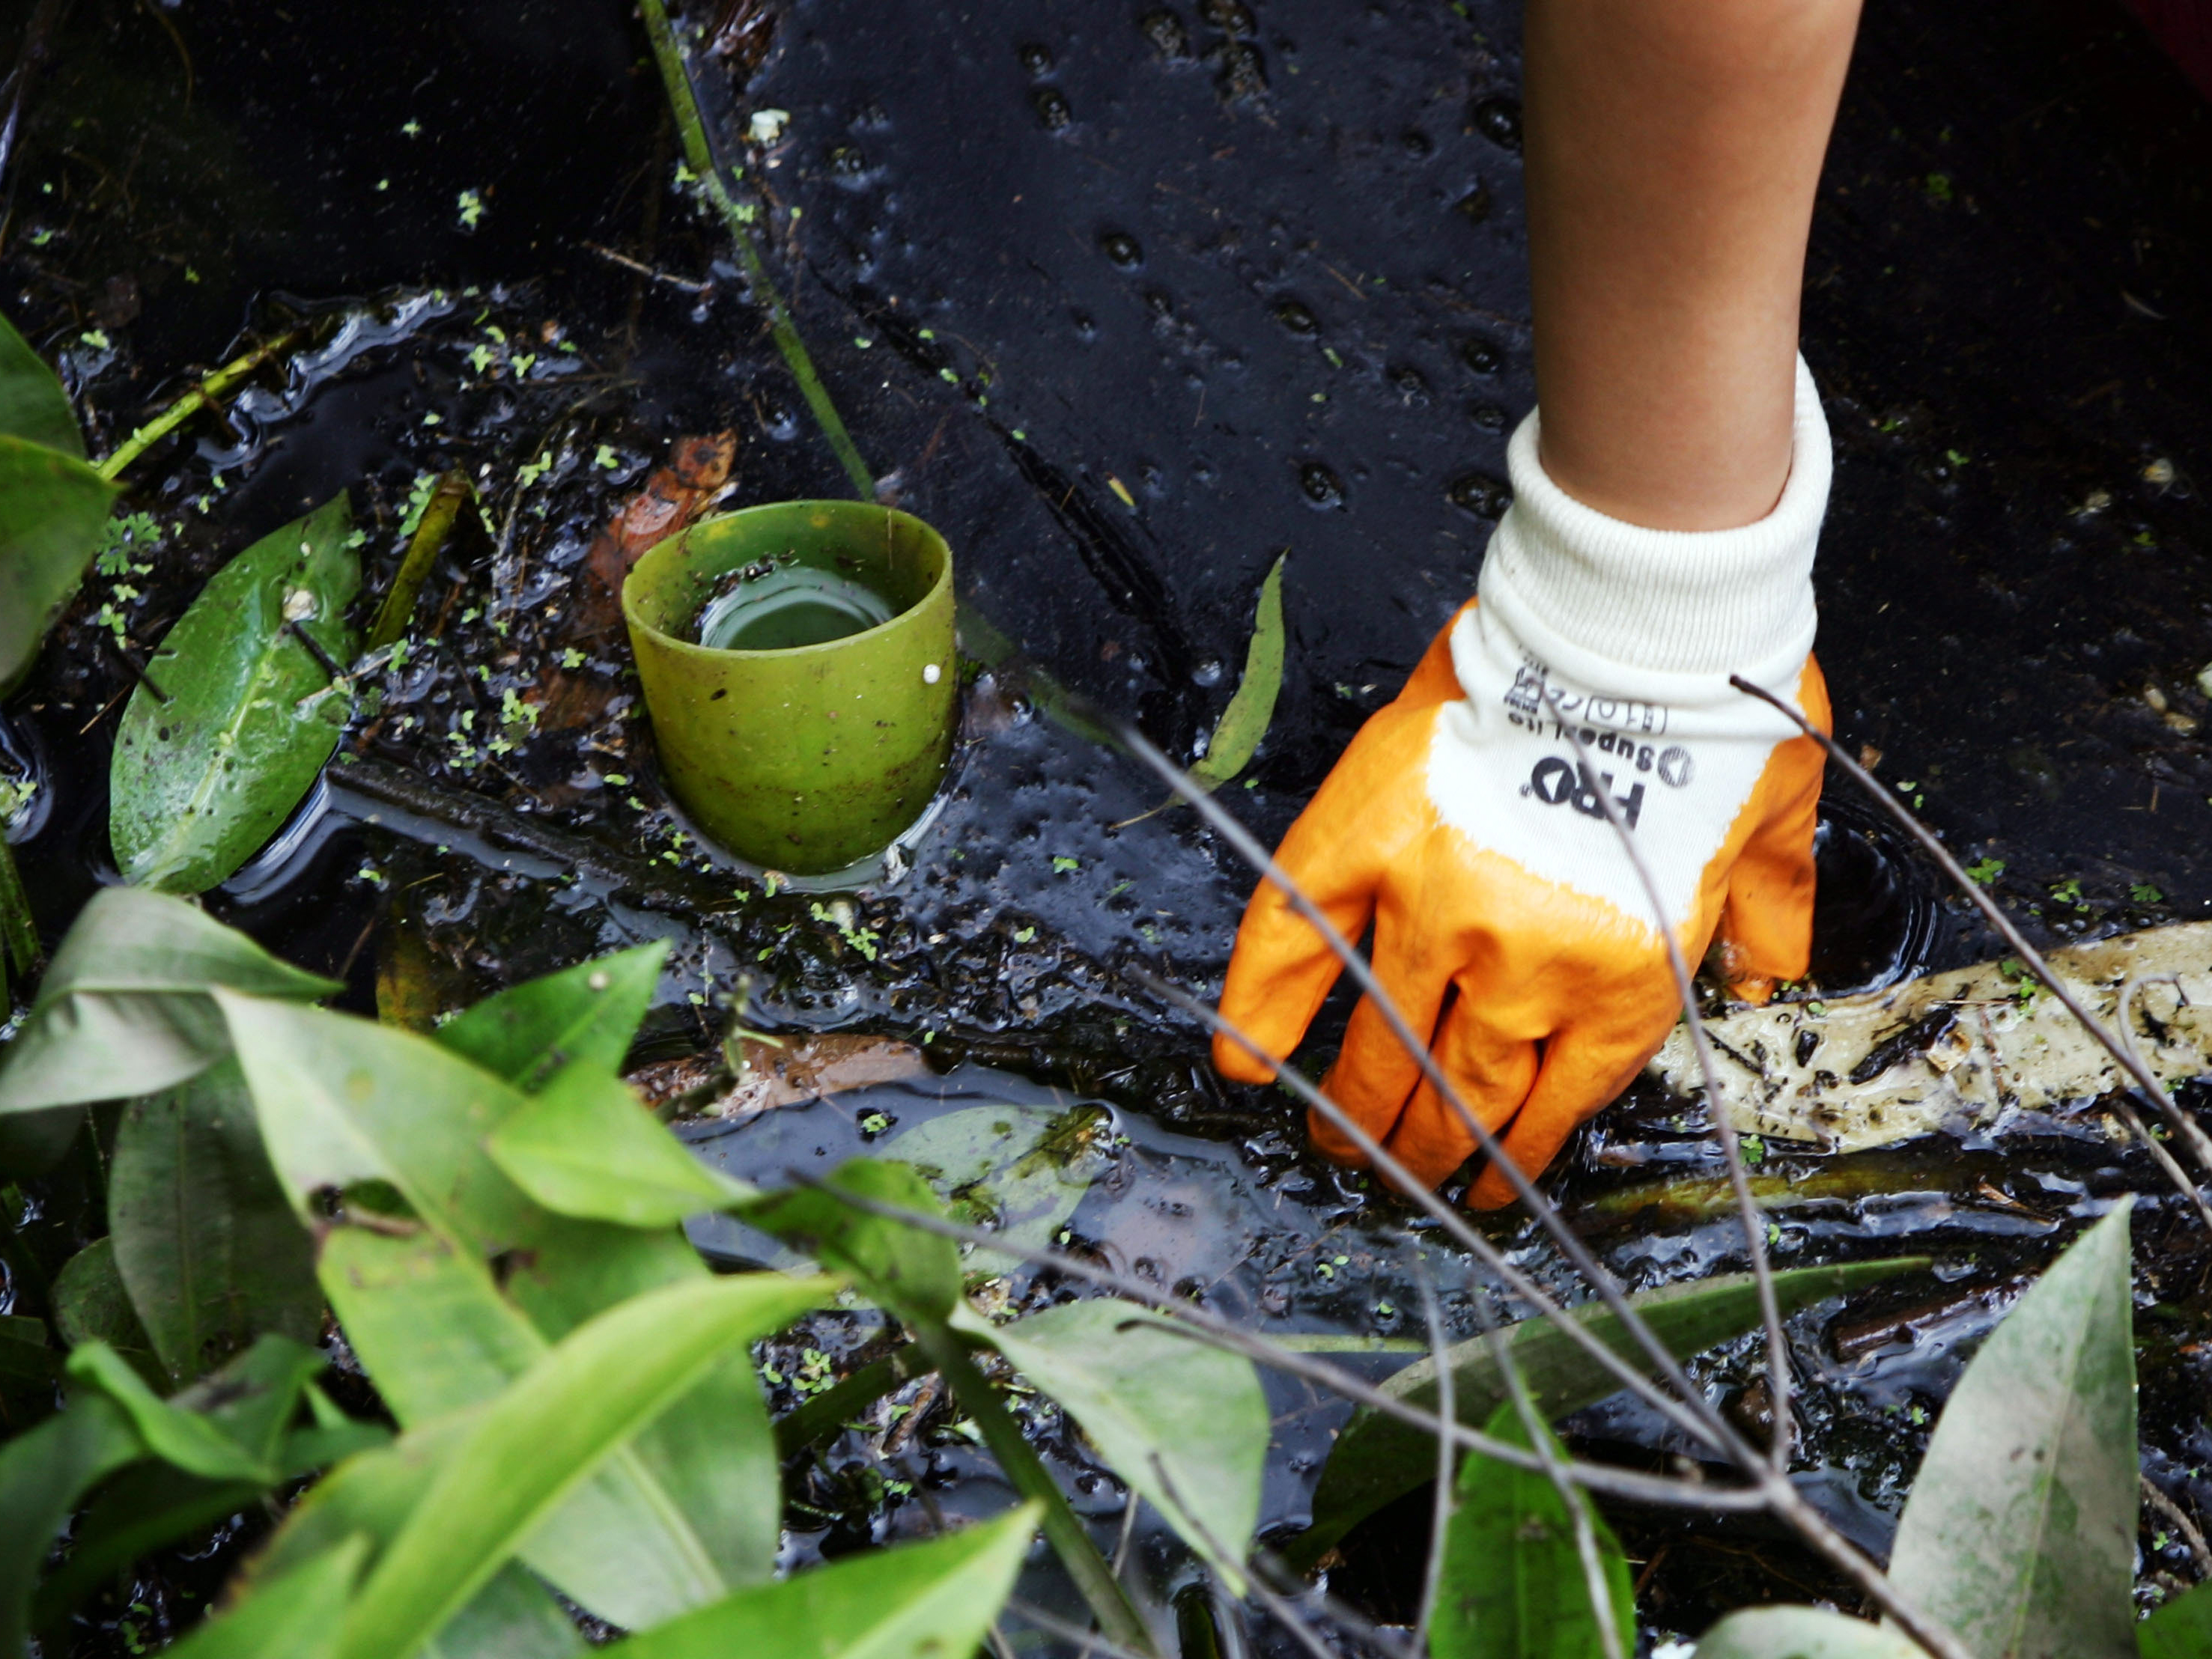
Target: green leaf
<point>585,1146</point>
<point>44,1474</point>
<point>1018,1170</point>
<point>902,1268</point>
<point>91,1304</point>
<point>123,1009</point>
<point>200,781</point>
<point>1378,1458</point>
<point>1245,721</point>
<point>52,509</point>
<point>1801,1633</point>
<point>462,1289</point>
<point>2180,1629</point>
<point>2020,1531</point>
<point>194,1442</point>
<point>32,405</point>
<point>540,1438</point>
<point>929,1601</point>
<point>588,1013</point>
<point>207,1246</point>
<point>289,1618</point>
<point>1513,1585</point>
<point>1142,1390</point>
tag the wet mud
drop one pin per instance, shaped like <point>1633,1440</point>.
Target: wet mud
<point>1128,301</point>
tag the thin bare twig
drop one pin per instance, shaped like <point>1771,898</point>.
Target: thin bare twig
<point>1432,1576</point>
<point>1754,1223</point>
<point>1053,1624</point>
<point>2184,1126</point>
<point>2191,1533</point>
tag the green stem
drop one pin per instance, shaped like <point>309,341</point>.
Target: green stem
<point>1108,1602</point>
<point>209,392</point>
<point>19,934</point>
<point>699,154</point>
<point>817,1418</point>
<point>431,531</point>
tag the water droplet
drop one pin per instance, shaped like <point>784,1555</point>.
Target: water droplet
<point>1323,486</point>
<point>1498,119</point>
<point>1166,31</point>
<point>1415,141</point>
<point>1296,317</point>
<point>1488,417</point>
<point>1230,16</point>
<point>1412,384</point>
<point>1480,494</point>
<point>1052,108</point>
<point>1035,59</point>
<point>1122,249</point>
<point>1207,673</point>
<point>1483,356</point>
<point>1476,205</point>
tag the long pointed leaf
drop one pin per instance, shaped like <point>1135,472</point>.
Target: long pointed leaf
<point>538,1440</point>
<point>2020,1531</point>
<point>589,1013</point>
<point>1801,1633</point>
<point>52,509</point>
<point>584,1145</point>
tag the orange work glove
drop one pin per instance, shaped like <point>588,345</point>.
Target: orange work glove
<point>1509,926</point>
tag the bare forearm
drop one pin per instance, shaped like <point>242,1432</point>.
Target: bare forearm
<point>1673,147</point>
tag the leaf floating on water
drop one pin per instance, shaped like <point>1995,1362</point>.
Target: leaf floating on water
<point>201,780</point>
<point>1245,721</point>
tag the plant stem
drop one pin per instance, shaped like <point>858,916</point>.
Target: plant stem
<point>827,1413</point>
<point>19,935</point>
<point>699,154</point>
<point>209,392</point>
<point>1093,1578</point>
<point>431,532</point>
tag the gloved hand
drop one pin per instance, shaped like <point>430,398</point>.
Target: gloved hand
<point>1508,924</point>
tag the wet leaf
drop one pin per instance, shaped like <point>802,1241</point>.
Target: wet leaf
<point>204,1241</point>
<point>1021,1171</point>
<point>462,1282</point>
<point>192,1442</point>
<point>1143,1390</point>
<point>124,1009</point>
<point>589,1013</point>
<point>902,1268</point>
<point>44,1474</point>
<point>801,1068</point>
<point>1377,1458</point>
<point>1237,735</point>
<point>585,1146</point>
<point>927,1600</point>
<point>2020,1531</point>
<point>32,405</point>
<point>395,616</point>
<point>92,1306</point>
<point>1801,1633</point>
<point>1513,1585</point>
<point>2181,1629</point>
<point>200,781</point>
<point>290,1618</point>
<point>52,509</point>
<point>540,1438</point>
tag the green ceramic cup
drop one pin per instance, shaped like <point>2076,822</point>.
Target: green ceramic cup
<point>805,757</point>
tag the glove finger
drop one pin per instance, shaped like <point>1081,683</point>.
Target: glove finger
<point>1585,1067</point>
<point>1493,1063</point>
<point>1374,1075</point>
<point>1336,854</point>
<point>1766,921</point>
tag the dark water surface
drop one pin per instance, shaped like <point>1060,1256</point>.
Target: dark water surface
<point>1127,301</point>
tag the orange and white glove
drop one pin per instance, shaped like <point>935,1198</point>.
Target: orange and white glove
<point>1509,926</point>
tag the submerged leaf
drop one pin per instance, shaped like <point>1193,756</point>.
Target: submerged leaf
<point>1801,1633</point>
<point>1143,1390</point>
<point>202,778</point>
<point>1237,735</point>
<point>207,1247</point>
<point>1378,1458</point>
<point>1020,1170</point>
<point>52,509</point>
<point>2020,1531</point>
<point>927,1600</point>
<point>1513,1584</point>
<point>124,1009</point>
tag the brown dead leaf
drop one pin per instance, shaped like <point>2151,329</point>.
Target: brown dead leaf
<point>805,1067</point>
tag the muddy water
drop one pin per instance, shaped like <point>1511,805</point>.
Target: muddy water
<point>1128,304</point>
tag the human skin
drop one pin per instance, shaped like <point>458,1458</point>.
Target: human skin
<point>1673,150</point>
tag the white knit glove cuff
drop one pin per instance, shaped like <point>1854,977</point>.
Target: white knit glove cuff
<point>1592,595</point>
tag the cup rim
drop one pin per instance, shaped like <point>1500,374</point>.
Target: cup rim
<point>719,652</point>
